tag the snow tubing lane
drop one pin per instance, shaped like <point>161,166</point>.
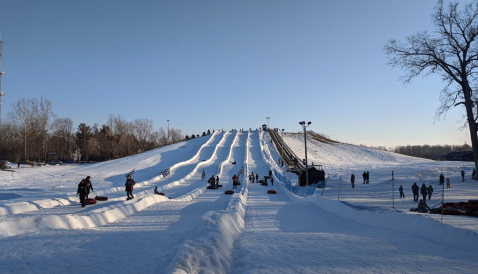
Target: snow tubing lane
<point>272,192</point>
<point>228,192</point>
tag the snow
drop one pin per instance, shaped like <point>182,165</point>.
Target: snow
<point>192,229</point>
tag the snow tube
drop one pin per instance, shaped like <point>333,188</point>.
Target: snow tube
<point>229,192</point>
<point>90,201</point>
<point>271,191</point>
<point>160,193</point>
<point>101,198</point>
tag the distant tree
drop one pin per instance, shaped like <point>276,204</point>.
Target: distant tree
<point>176,135</point>
<point>451,51</point>
<point>197,136</point>
<point>203,133</point>
<point>187,137</point>
<point>193,136</point>
<point>208,132</point>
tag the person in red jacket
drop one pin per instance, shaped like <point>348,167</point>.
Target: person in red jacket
<point>129,187</point>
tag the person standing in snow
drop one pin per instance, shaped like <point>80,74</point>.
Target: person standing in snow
<point>82,192</point>
<point>442,179</point>
<point>401,192</point>
<point>352,180</point>
<point>217,181</point>
<point>257,177</point>
<point>424,192</point>
<point>415,189</point>
<point>129,187</point>
<point>89,186</point>
<point>368,177</point>
<point>462,175</point>
<point>448,183</point>
<point>270,173</point>
<point>364,176</point>
<point>430,191</point>
<point>272,181</point>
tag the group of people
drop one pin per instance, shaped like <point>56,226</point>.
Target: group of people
<point>424,190</point>
<point>365,175</point>
<point>253,177</point>
<point>213,182</point>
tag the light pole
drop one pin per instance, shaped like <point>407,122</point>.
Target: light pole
<point>305,142</point>
<point>168,128</point>
<point>268,118</point>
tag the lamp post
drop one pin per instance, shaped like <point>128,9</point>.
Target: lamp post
<point>305,142</point>
<point>168,128</point>
<point>268,118</point>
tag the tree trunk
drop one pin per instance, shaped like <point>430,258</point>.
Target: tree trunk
<point>471,121</point>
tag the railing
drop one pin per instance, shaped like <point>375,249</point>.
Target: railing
<point>286,153</point>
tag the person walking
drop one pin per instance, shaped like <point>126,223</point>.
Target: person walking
<point>253,177</point>
<point>257,177</point>
<point>89,186</point>
<point>415,189</point>
<point>401,192</point>
<point>448,183</point>
<point>352,180</point>
<point>462,175</point>
<point>364,176</point>
<point>82,192</point>
<point>442,179</point>
<point>430,191</point>
<point>234,179</point>
<point>270,173</point>
<point>423,191</point>
<point>272,181</point>
<point>129,187</point>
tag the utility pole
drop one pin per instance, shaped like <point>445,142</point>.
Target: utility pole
<point>1,74</point>
<point>305,142</point>
<point>168,129</point>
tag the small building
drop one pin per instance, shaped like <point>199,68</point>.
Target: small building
<point>264,127</point>
<point>460,156</point>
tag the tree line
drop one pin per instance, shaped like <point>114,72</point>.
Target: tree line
<point>435,152</point>
<point>33,133</point>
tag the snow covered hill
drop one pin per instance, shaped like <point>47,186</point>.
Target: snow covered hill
<point>193,229</point>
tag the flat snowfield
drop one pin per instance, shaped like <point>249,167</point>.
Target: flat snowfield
<point>194,229</point>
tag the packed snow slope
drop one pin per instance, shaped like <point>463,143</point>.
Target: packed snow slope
<point>193,229</point>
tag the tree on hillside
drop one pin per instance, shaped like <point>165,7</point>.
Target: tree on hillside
<point>450,51</point>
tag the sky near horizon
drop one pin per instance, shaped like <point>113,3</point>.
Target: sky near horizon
<point>227,65</point>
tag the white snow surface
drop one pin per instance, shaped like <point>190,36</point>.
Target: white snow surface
<point>192,229</point>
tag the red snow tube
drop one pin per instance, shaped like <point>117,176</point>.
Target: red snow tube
<point>101,198</point>
<point>161,193</point>
<point>90,201</point>
<point>271,191</point>
<point>229,192</point>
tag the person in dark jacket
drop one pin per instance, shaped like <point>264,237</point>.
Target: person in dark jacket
<point>364,176</point>
<point>270,173</point>
<point>424,192</point>
<point>352,180</point>
<point>422,207</point>
<point>82,191</point>
<point>89,186</point>
<point>462,175</point>
<point>401,192</point>
<point>129,187</point>
<point>368,178</point>
<point>257,177</point>
<point>430,191</point>
<point>272,181</point>
<point>473,174</point>
<point>415,189</point>
<point>217,181</point>
<point>212,182</point>
<point>442,179</point>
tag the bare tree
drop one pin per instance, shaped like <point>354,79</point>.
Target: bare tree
<point>143,130</point>
<point>176,135</point>
<point>451,51</point>
<point>33,117</point>
<point>62,129</point>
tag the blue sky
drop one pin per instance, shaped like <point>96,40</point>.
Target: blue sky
<point>227,64</point>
